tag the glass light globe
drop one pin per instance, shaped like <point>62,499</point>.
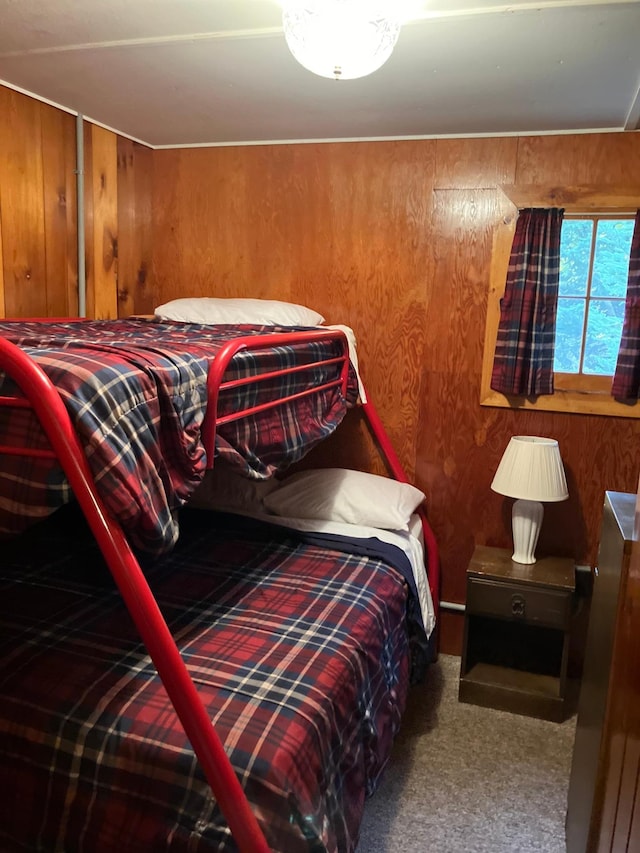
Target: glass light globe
<point>341,39</point>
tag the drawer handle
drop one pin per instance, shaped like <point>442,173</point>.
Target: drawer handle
<point>517,605</point>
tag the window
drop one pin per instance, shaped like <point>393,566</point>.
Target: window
<point>596,240</point>
<point>594,265</point>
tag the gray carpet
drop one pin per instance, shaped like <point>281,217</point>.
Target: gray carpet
<point>465,779</point>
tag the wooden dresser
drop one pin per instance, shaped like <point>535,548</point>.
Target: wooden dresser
<point>604,789</point>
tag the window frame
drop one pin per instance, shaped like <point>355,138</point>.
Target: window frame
<point>574,393</point>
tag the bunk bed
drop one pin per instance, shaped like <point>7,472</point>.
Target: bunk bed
<point>128,757</point>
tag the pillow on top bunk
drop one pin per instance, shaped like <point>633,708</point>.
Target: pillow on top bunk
<point>343,495</point>
<point>224,489</point>
<point>210,310</point>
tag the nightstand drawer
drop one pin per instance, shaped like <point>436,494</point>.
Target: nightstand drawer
<point>519,602</point>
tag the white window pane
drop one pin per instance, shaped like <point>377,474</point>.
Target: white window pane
<point>575,256</point>
<point>569,325</point>
<point>611,260</point>
<point>604,330</point>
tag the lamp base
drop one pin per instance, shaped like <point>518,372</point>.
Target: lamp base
<point>526,518</point>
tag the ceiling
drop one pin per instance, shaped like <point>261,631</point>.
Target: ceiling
<point>211,72</point>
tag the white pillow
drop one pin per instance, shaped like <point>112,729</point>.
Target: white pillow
<point>339,494</point>
<point>223,488</point>
<point>259,312</point>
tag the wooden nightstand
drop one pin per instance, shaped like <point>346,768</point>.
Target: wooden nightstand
<point>516,634</point>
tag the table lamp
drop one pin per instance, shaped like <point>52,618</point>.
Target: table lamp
<point>531,471</point>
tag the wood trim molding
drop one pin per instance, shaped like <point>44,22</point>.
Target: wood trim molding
<point>577,199</point>
<point>568,402</point>
<point>500,253</point>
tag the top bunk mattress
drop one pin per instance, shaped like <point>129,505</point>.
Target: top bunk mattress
<point>137,394</point>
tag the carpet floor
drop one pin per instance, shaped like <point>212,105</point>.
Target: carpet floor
<point>466,779</point>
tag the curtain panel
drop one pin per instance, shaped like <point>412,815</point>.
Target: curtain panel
<point>626,380</point>
<point>525,345</point>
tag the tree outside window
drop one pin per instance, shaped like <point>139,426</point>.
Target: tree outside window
<point>594,265</point>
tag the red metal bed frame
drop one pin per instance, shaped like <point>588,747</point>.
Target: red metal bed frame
<point>41,396</point>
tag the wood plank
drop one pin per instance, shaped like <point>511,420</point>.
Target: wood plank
<point>586,198</point>
<point>134,228</point>
<point>102,175</point>
<point>87,170</point>
<point>58,135</point>
<point>490,675</point>
<point>22,206</point>
<point>71,207</point>
<point>2,302</point>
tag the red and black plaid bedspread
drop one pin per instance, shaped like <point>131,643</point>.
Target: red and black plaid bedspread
<point>299,653</point>
<point>136,392</point>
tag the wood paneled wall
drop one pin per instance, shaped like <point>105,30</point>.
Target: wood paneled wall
<point>394,239</point>
<point>38,214</point>
<point>391,238</point>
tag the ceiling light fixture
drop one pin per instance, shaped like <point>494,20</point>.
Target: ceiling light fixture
<point>341,39</point>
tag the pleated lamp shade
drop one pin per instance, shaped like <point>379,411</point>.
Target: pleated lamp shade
<point>531,471</point>
<point>531,468</point>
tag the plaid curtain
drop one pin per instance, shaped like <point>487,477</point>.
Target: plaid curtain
<point>626,380</point>
<point>523,362</point>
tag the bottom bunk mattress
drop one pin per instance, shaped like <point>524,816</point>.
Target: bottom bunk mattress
<point>300,653</point>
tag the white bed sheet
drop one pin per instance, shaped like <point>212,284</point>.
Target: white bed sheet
<point>350,335</point>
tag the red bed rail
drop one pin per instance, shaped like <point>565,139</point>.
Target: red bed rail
<point>217,384</point>
<point>395,468</point>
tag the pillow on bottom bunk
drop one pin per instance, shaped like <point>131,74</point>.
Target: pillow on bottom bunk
<point>339,494</point>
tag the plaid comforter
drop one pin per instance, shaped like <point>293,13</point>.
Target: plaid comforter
<point>136,392</point>
<point>300,654</point>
